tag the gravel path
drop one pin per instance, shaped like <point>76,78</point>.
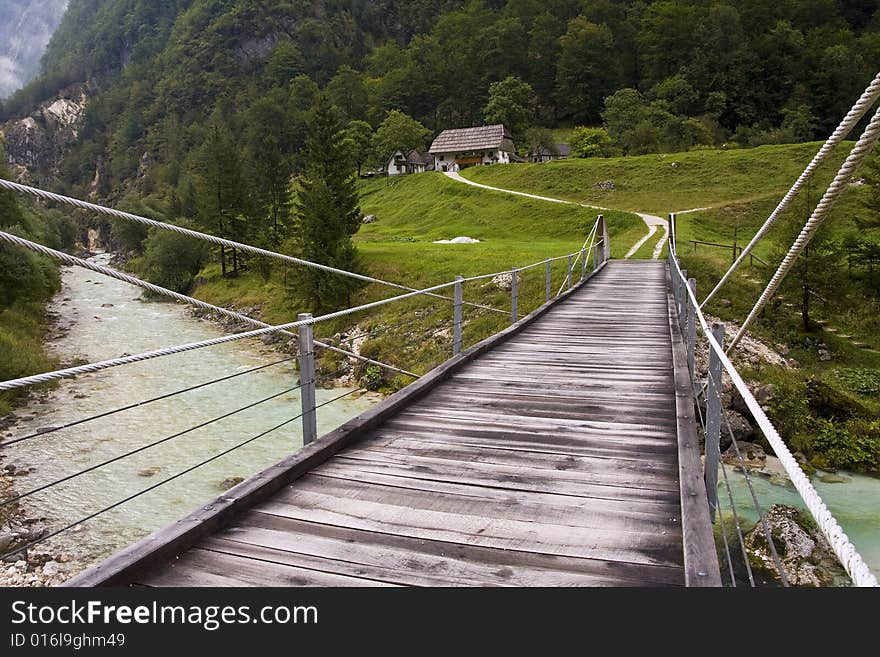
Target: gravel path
<point>653,222</point>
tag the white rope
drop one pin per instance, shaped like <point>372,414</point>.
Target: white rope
<point>868,98</point>
<point>85,205</point>
<point>859,152</point>
<point>582,252</point>
<point>113,273</point>
<point>846,552</point>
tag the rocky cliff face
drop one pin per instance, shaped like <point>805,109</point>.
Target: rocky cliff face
<point>38,142</point>
<point>25,29</point>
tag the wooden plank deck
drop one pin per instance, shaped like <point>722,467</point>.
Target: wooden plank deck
<point>551,459</point>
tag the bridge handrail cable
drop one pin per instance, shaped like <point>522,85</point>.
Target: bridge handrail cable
<point>846,552</point>
<point>861,107</point>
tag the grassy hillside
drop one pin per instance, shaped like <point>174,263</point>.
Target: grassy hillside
<point>660,184</point>
<point>829,409</point>
<point>411,213</point>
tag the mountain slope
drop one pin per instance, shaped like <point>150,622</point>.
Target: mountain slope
<point>25,29</point>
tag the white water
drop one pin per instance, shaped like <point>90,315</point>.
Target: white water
<point>98,331</point>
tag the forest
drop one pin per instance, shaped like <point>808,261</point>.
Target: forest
<point>660,76</point>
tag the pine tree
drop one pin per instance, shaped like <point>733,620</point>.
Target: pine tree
<point>221,190</point>
<point>326,214</point>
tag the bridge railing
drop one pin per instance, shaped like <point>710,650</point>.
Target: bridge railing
<point>707,392</point>
<point>450,301</point>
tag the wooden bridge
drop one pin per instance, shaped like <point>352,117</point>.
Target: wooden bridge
<point>562,451</point>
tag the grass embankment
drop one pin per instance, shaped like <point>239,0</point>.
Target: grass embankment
<point>412,212</point>
<point>829,409</point>
<point>659,184</point>
<point>22,327</point>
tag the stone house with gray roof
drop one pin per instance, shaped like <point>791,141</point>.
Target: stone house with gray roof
<point>465,147</point>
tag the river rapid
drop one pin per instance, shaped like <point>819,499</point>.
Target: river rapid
<point>99,319</point>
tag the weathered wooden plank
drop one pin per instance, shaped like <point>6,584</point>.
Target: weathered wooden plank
<point>539,484</point>
<point>481,565</point>
<point>207,567</point>
<point>501,463</point>
<point>521,477</point>
<point>700,559</point>
<point>551,509</point>
<point>475,529</point>
<point>648,508</point>
<point>556,443</point>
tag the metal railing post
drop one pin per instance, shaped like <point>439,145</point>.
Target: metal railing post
<point>691,339</point>
<point>306,344</point>
<point>513,296</point>
<point>606,240</point>
<point>547,283</point>
<point>682,300</point>
<point>675,284</point>
<point>456,316</point>
<point>583,264</point>
<point>568,273</point>
<point>713,421</point>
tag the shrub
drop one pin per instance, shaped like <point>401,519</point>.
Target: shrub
<point>589,142</point>
<point>851,446</point>
<point>373,378</point>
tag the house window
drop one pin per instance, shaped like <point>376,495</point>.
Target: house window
<point>442,158</point>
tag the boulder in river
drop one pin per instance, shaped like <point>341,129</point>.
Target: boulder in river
<point>229,482</point>
<point>807,558</point>
<point>752,454</point>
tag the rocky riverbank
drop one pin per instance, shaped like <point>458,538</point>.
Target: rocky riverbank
<point>38,565</point>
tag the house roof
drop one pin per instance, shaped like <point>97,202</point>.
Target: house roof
<point>562,150</point>
<point>468,139</point>
<point>415,157</point>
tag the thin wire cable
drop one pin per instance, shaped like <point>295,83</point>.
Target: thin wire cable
<point>720,513</point>
<point>736,521</point>
<point>861,107</point>
<point>349,339</point>
<point>144,447</point>
<point>30,544</point>
<point>342,396</point>
<point>364,359</point>
<point>50,430</point>
<point>726,546</point>
<point>859,152</point>
<point>422,338</point>
<point>761,519</point>
<point>582,252</point>
<point>738,525</point>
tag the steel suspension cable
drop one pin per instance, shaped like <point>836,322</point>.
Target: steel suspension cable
<point>736,522</point>
<point>859,152</point>
<point>845,551</point>
<point>125,360</point>
<point>128,407</point>
<point>247,248</point>
<point>768,536</point>
<point>864,103</point>
<point>156,289</point>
